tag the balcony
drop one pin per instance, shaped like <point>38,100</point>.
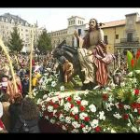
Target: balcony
<point>127,45</point>
<point>125,40</point>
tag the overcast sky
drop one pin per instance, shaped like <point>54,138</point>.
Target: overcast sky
<point>56,18</point>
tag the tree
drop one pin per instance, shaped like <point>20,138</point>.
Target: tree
<point>15,43</point>
<point>44,42</point>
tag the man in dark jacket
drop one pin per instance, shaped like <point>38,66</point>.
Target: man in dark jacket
<point>25,85</point>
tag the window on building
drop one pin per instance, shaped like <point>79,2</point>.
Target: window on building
<point>129,37</point>
<point>106,39</point>
<point>79,32</point>
<point>69,22</point>
<point>117,36</point>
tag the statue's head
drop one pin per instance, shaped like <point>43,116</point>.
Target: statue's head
<point>93,24</point>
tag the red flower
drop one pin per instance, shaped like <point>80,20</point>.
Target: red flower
<point>132,62</point>
<point>120,106</point>
<point>1,124</point>
<point>87,119</point>
<point>78,102</point>
<point>69,99</point>
<point>82,125</point>
<point>105,97</point>
<point>136,91</point>
<point>139,111</point>
<point>138,54</point>
<point>82,108</point>
<point>138,105</point>
<point>134,105</point>
<point>97,129</point>
<point>76,117</point>
<point>125,116</point>
<point>55,106</point>
<point>72,105</point>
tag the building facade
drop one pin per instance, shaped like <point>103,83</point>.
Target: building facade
<point>25,30</point>
<point>120,35</point>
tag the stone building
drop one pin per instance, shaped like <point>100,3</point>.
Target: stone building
<point>120,35</point>
<point>25,30</point>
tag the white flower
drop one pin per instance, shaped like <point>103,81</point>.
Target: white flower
<point>83,115</point>
<point>61,118</point>
<point>108,106</point>
<point>39,101</point>
<point>75,131</point>
<point>46,117</point>
<point>43,107</point>
<point>76,98</point>
<point>117,115</point>
<point>75,124</point>
<point>113,131</point>
<point>137,71</point>
<point>94,123</point>
<point>92,108</point>
<point>138,100</point>
<point>74,110</point>
<point>108,89</point>
<point>112,85</point>
<point>53,84</point>
<point>110,98</point>
<point>102,117</point>
<point>67,106</point>
<point>52,121</point>
<point>51,94</point>
<point>84,103</point>
<point>86,129</point>
<point>86,92</point>
<point>68,120</point>
<point>108,128</point>
<point>126,107</point>
<point>134,129</point>
<point>117,105</point>
<point>27,96</point>
<point>50,108</point>
<point>129,124</point>
<point>61,102</point>
<point>55,99</point>
<point>62,88</point>
<point>54,112</point>
<point>64,127</point>
<point>135,110</point>
<point>130,74</point>
<point>122,84</point>
<point>45,96</point>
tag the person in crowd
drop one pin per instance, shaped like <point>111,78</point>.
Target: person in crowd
<point>15,110</point>
<point>5,100</point>
<point>28,119</point>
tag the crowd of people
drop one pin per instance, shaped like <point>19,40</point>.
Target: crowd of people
<point>17,112</point>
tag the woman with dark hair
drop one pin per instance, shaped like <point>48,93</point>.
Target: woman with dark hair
<point>28,118</point>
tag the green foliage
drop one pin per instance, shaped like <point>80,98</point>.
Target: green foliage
<point>44,42</point>
<point>133,62</point>
<point>129,58</point>
<point>15,43</point>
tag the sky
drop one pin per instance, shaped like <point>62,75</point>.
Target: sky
<point>56,18</point>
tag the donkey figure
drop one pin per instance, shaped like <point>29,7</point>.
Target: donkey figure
<point>71,54</point>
